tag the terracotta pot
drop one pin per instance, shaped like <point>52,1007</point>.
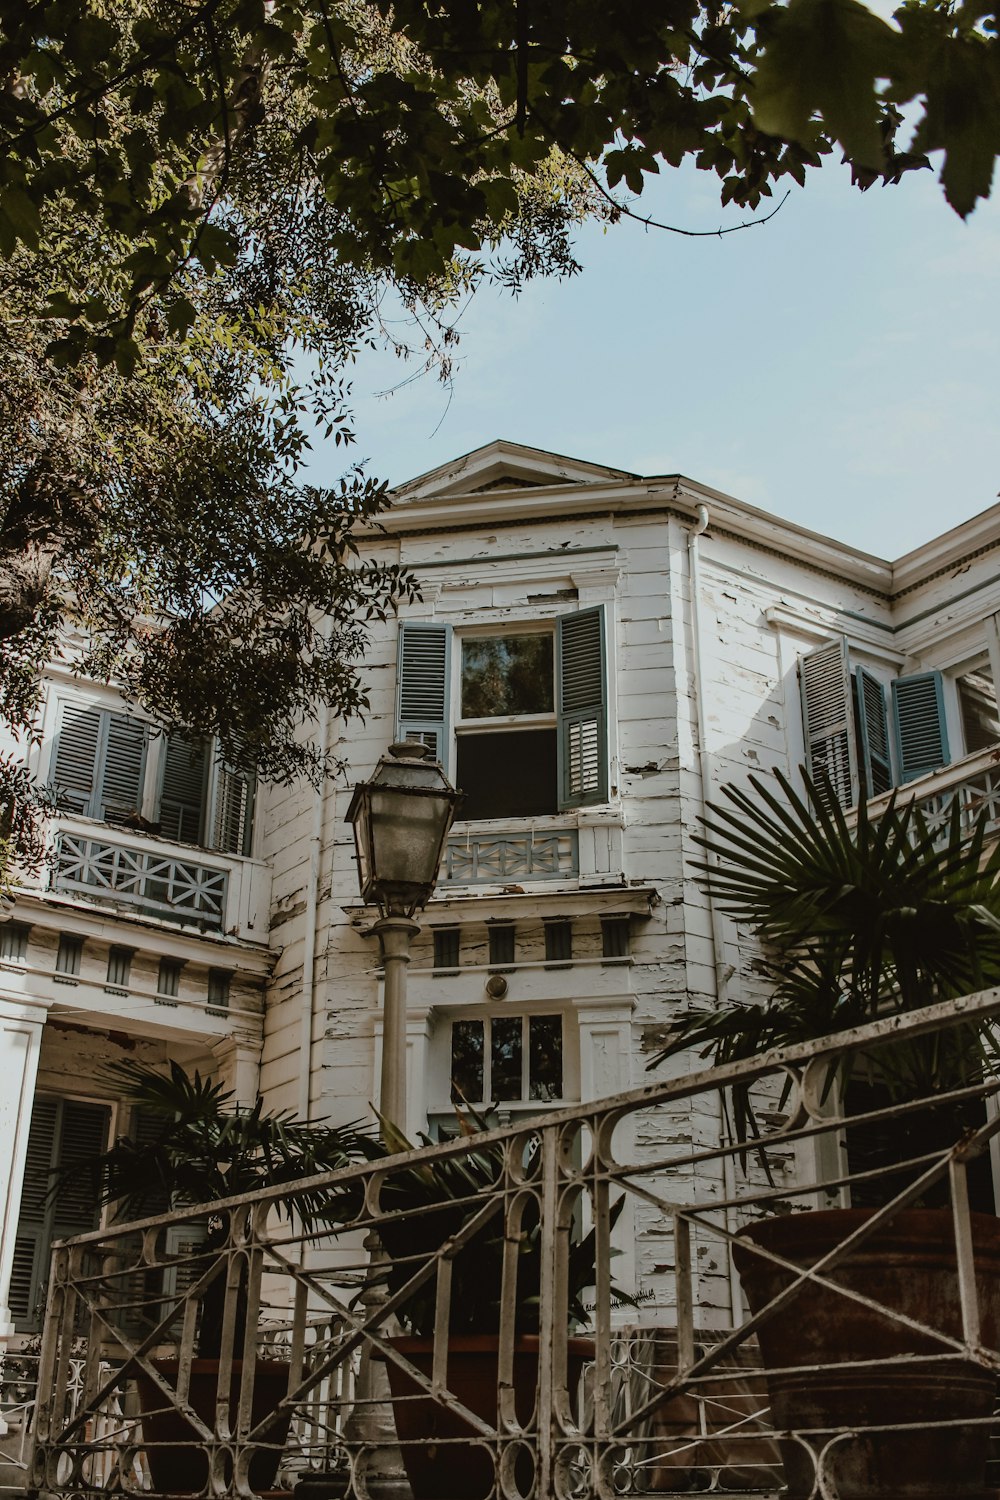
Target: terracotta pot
<point>183,1470</point>
<point>909,1266</point>
<point>442,1470</point>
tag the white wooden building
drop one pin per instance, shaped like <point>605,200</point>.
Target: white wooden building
<point>595,654</point>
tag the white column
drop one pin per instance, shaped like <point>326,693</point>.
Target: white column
<point>237,1058</point>
<point>21,1025</point>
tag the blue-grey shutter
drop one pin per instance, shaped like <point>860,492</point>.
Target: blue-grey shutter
<point>122,765</point>
<point>423,678</point>
<point>74,764</point>
<point>825,681</point>
<point>582,708</point>
<point>919,724</point>
<point>873,733</point>
<point>182,792</point>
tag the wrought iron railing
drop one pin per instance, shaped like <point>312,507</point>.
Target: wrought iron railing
<point>666,1391</point>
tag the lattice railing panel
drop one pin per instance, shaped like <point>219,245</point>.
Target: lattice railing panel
<point>156,884</point>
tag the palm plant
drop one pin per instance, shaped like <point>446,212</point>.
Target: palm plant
<point>196,1147</point>
<point>858,920</point>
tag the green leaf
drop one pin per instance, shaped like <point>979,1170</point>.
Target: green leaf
<point>21,213</point>
<point>822,58</point>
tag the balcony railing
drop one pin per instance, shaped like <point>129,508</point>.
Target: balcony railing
<point>584,846</point>
<point>972,783</point>
<point>150,877</point>
<point>664,1393</point>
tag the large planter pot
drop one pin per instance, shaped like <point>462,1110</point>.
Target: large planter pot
<point>909,1266</point>
<point>446,1470</point>
<point>183,1469</point>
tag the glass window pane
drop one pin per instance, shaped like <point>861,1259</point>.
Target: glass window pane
<point>545,1061</point>
<point>506,674</point>
<point>505,1059</point>
<point>467,1062</point>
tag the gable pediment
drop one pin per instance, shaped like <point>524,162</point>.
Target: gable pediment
<point>501,467</point>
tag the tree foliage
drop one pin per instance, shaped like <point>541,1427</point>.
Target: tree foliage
<point>202,203</point>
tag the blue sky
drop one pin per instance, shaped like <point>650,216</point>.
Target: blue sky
<point>837,366</point>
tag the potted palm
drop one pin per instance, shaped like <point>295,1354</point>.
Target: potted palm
<point>190,1145</point>
<point>438,1199</point>
<point>861,921</point>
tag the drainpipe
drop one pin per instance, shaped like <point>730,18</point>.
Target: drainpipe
<point>306,1016</point>
<point>721,969</point>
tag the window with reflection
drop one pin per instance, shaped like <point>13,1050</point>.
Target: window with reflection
<point>507,1060</point>
<point>506,742</point>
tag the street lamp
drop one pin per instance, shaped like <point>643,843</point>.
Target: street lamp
<point>401,819</point>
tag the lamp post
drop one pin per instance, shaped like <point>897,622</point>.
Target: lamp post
<point>401,818</point>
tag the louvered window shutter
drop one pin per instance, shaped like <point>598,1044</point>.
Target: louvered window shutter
<point>919,724</point>
<point>825,679</point>
<point>122,766</point>
<point>873,733</point>
<point>182,794</point>
<point>63,1133</point>
<point>582,697</point>
<point>424,683</point>
<point>232,830</point>
<point>74,765</point>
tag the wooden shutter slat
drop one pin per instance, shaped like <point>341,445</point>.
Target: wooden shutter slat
<point>75,762</point>
<point>581,701</point>
<point>124,762</point>
<point>873,732</point>
<point>424,686</point>
<point>918,717</point>
<point>825,679</point>
<point>182,794</point>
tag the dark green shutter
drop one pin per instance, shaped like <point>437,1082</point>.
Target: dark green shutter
<point>581,698</point>
<point>74,764</point>
<point>825,680</point>
<point>919,724</point>
<point>873,733</point>
<point>182,793</point>
<point>62,1133</point>
<point>424,686</point>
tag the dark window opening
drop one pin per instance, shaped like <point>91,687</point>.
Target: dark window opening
<point>219,981</point>
<point>14,942</point>
<point>168,981</point>
<point>501,938</point>
<point>507,774</point>
<point>558,941</point>
<point>978,702</point>
<point>616,935</point>
<point>69,955</point>
<point>446,947</point>
<point>119,967</point>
